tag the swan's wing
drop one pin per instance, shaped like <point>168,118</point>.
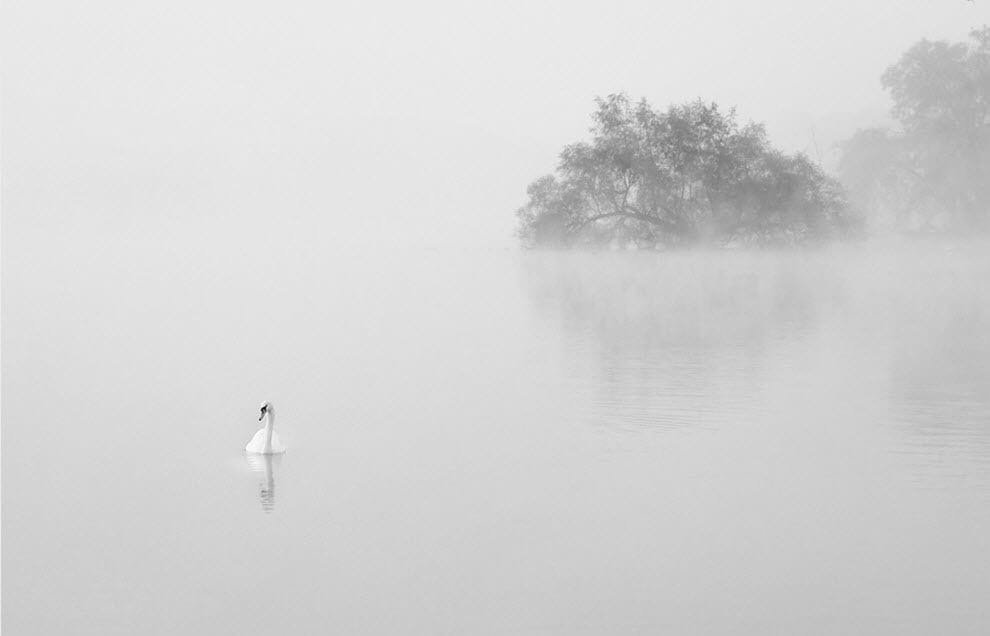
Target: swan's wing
<point>257,443</point>
<point>277,445</point>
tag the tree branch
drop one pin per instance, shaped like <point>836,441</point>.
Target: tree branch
<point>654,220</point>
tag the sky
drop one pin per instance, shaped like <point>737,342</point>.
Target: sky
<point>397,123</point>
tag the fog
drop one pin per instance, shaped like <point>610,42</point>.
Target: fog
<point>385,124</point>
<point>495,441</point>
<point>210,205</point>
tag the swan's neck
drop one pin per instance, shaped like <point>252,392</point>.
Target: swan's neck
<point>269,428</point>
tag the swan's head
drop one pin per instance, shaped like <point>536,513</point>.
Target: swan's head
<point>266,408</point>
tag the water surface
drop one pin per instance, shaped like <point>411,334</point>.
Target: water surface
<point>494,442</point>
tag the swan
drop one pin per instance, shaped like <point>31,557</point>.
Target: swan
<point>265,441</point>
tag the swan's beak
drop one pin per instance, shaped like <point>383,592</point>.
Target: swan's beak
<point>262,416</point>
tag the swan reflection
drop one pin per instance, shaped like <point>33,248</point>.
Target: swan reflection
<point>264,466</point>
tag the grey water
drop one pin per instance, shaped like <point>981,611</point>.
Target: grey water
<point>489,441</point>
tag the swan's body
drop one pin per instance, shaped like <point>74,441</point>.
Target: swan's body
<point>265,441</point>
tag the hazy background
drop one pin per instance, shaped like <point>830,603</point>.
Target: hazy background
<point>480,440</point>
<point>415,123</point>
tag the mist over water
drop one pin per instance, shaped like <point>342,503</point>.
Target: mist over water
<point>890,330</point>
<point>208,205</point>
<point>494,441</point>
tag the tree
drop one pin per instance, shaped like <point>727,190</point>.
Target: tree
<point>875,169</point>
<point>934,172</point>
<point>689,174</point>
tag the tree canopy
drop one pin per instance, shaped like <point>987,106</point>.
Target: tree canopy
<point>934,171</point>
<point>690,174</point>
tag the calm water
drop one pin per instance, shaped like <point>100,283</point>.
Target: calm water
<point>493,442</point>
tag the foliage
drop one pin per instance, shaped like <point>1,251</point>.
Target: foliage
<point>689,174</point>
<point>933,173</point>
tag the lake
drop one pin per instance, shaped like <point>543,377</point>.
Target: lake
<point>492,441</point>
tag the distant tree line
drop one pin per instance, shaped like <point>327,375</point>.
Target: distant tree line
<point>692,174</point>
<point>687,175</point>
<point>932,173</point>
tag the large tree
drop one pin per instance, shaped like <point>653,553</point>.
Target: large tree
<point>689,174</point>
<point>933,172</point>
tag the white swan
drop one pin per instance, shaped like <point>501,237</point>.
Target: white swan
<point>265,441</point>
